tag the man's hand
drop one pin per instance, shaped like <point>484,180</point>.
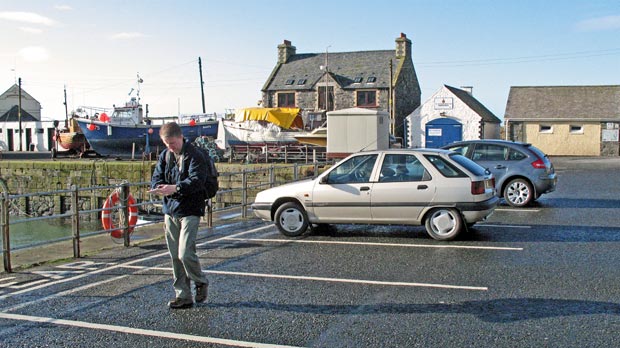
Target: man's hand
<point>165,190</point>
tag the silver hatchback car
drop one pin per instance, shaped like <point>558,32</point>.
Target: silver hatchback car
<point>440,189</point>
<point>522,171</point>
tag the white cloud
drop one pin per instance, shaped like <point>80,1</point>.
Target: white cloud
<point>34,54</point>
<point>63,7</point>
<point>599,23</point>
<point>127,36</point>
<point>27,17</point>
<point>31,30</point>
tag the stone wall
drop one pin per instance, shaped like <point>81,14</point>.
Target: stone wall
<point>27,177</point>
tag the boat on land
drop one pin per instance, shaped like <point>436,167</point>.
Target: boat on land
<point>260,127</point>
<point>127,131</point>
<point>317,137</point>
<point>71,139</point>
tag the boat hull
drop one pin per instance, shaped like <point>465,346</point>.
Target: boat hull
<point>72,141</point>
<point>232,133</point>
<point>108,139</point>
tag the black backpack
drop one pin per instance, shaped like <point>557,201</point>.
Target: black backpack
<point>211,184</point>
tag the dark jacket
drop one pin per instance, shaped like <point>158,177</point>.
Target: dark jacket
<point>190,197</point>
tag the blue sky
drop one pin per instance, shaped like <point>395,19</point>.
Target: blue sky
<point>97,48</point>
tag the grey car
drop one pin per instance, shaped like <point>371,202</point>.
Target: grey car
<point>522,172</point>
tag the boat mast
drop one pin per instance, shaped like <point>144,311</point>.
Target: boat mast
<point>202,91</point>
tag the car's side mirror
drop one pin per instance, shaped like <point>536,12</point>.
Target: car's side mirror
<point>324,180</point>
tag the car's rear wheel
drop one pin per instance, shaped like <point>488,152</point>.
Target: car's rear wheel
<point>519,193</point>
<point>291,219</point>
<point>444,223</point>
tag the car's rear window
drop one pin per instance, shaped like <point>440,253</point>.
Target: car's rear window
<point>468,164</point>
<point>446,168</point>
<point>537,151</point>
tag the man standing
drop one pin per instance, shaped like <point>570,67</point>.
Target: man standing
<point>179,176</point>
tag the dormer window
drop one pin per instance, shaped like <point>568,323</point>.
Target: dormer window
<point>289,82</point>
<point>371,79</point>
<point>301,82</point>
<point>358,79</point>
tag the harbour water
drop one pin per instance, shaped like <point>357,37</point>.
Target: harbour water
<point>27,233</point>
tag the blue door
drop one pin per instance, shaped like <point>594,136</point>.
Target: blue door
<point>443,131</point>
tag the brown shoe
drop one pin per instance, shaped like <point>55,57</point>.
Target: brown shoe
<point>201,291</point>
<point>180,303</point>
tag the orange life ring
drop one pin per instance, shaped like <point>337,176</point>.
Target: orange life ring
<point>106,214</point>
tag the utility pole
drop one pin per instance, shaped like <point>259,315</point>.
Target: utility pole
<point>202,91</point>
<point>391,101</point>
<point>19,114</point>
<point>66,112</point>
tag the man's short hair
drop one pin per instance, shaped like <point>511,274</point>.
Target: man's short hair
<point>170,130</point>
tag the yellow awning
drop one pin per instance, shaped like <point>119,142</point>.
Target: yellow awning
<point>283,117</point>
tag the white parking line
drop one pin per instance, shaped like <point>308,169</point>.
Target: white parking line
<point>447,246</point>
<point>142,332</point>
<point>521,210</point>
<point>324,279</point>
<point>505,226</point>
<point>83,275</point>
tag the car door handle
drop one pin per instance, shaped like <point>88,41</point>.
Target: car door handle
<point>422,187</point>
<point>499,166</point>
<point>364,188</point>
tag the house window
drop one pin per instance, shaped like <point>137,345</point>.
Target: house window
<point>371,79</point>
<point>286,100</point>
<point>330,98</point>
<point>358,79</point>
<point>301,82</point>
<point>576,129</point>
<point>289,82</point>
<point>545,128</point>
<point>366,98</point>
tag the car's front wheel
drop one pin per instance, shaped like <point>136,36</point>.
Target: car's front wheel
<point>291,219</point>
<point>518,193</point>
<point>444,223</point>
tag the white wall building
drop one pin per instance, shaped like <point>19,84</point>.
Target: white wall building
<point>450,114</point>
<point>36,135</point>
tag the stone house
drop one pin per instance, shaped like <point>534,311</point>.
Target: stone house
<point>450,114</point>
<point>565,120</point>
<point>321,82</point>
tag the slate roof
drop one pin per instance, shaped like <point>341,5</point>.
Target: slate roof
<point>344,67</point>
<point>485,114</point>
<point>564,102</point>
<point>11,115</point>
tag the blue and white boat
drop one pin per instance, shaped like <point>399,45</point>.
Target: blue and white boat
<point>126,132</point>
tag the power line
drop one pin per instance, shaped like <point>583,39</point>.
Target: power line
<point>522,59</point>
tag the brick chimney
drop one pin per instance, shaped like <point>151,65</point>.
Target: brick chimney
<point>285,51</point>
<point>403,46</point>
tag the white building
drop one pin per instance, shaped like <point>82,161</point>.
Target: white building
<point>450,114</point>
<point>36,135</point>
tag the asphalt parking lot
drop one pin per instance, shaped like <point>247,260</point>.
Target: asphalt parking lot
<point>542,276</point>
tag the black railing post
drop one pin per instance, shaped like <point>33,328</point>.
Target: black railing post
<point>124,216</point>
<point>75,221</point>
<point>209,212</point>
<point>6,241</point>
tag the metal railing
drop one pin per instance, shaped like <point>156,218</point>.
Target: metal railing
<point>83,205</point>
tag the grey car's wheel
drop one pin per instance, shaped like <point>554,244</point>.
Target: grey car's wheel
<point>444,223</point>
<point>518,193</point>
<point>291,219</point>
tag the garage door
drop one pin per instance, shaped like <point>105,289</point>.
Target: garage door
<point>443,131</point>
